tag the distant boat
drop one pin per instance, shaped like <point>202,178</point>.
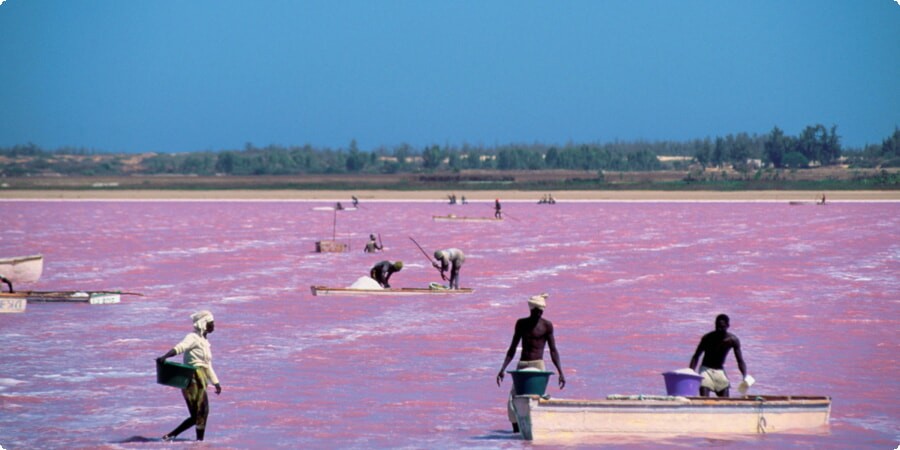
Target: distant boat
<point>332,208</point>
<point>455,218</point>
<point>324,290</point>
<point>89,297</point>
<point>543,420</point>
<point>22,269</point>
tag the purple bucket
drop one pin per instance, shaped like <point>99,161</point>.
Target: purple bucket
<point>683,384</point>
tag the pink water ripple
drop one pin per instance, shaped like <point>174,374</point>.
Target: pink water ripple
<point>813,293</point>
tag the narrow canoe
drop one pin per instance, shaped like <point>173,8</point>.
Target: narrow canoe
<point>323,290</point>
<point>90,297</point>
<point>453,218</point>
<point>22,269</point>
<point>565,420</point>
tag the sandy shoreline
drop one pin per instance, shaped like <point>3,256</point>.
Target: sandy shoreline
<point>367,195</point>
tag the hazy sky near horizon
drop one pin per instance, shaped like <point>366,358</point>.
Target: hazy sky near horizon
<point>171,76</point>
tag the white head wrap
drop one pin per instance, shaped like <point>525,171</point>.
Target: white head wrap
<point>538,301</point>
<point>201,318</point>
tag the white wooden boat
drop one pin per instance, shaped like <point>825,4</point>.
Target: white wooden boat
<point>22,269</point>
<point>13,305</point>
<point>455,218</point>
<point>90,297</point>
<point>552,420</point>
<point>324,290</point>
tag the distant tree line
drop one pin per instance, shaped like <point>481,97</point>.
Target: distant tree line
<point>815,145</point>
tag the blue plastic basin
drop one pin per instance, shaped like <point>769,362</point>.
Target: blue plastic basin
<point>530,382</point>
<point>683,384</point>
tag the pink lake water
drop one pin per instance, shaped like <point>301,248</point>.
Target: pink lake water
<point>813,293</point>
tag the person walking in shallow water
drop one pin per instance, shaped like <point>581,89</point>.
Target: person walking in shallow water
<point>535,332</point>
<point>497,214</point>
<point>714,346</point>
<point>197,353</point>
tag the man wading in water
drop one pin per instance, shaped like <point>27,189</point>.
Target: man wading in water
<point>534,332</point>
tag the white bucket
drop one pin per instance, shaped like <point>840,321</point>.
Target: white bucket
<point>745,385</point>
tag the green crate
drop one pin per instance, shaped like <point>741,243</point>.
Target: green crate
<point>174,374</point>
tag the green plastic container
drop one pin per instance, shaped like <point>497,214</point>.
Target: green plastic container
<point>174,374</point>
<point>530,382</point>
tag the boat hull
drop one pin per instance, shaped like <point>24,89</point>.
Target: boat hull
<point>89,297</point>
<point>568,420</point>
<point>13,305</point>
<point>324,290</point>
<point>452,218</point>
<point>22,269</point>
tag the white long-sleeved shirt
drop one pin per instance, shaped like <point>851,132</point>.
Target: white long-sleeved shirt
<point>197,352</point>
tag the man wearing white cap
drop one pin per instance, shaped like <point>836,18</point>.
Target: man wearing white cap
<point>197,353</point>
<point>715,346</point>
<point>535,332</point>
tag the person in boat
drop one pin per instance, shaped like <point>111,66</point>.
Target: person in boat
<point>372,246</point>
<point>7,282</point>
<point>355,201</point>
<point>497,213</point>
<point>453,259</point>
<point>714,346</point>
<point>535,332</point>
<point>382,272</point>
<point>197,352</point>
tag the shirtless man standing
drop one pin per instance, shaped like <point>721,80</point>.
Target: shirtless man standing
<point>715,346</point>
<point>535,332</point>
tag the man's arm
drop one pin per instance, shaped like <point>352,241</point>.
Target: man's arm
<point>554,355</point>
<point>696,357</point>
<point>739,357</point>
<point>8,283</point>
<point>510,354</point>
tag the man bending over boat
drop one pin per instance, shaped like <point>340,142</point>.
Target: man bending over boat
<point>715,346</point>
<point>8,283</point>
<point>535,332</point>
<point>452,258</point>
<point>382,272</point>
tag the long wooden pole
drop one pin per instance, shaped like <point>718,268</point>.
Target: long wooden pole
<point>443,277</point>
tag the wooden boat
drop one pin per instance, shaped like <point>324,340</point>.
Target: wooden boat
<point>566,420</point>
<point>455,218</point>
<point>324,290</point>
<point>22,269</point>
<point>325,246</point>
<point>90,297</point>
<point>13,305</point>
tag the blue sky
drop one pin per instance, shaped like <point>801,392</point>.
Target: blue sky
<point>173,76</point>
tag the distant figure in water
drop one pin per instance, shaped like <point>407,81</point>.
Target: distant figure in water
<point>339,206</point>
<point>823,199</point>
<point>197,353</point>
<point>382,272</point>
<point>464,202</point>
<point>535,332</point>
<point>453,259</point>
<point>355,201</point>
<point>497,213</point>
<point>8,283</point>
<point>714,346</point>
<point>372,246</point>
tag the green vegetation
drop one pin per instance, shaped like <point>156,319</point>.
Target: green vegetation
<point>740,161</point>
